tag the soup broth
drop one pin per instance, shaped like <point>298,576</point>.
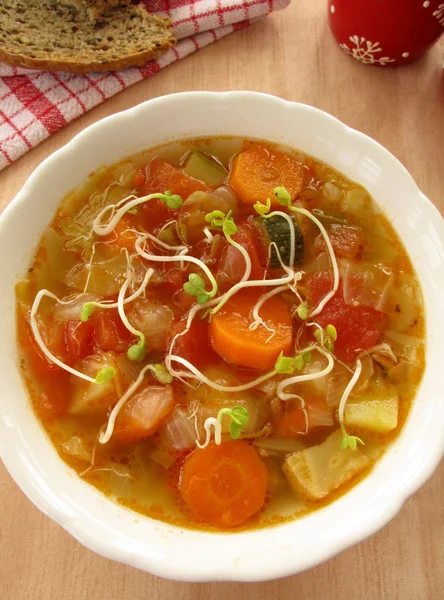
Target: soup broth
<point>221,333</point>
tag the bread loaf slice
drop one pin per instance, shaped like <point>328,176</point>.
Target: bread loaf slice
<point>96,9</point>
<point>43,34</point>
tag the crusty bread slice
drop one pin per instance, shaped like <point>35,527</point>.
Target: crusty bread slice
<point>42,34</point>
<point>97,9</point>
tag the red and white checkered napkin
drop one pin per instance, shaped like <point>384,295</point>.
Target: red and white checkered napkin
<point>35,104</point>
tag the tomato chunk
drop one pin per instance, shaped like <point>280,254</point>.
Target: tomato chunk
<point>162,176</point>
<point>109,331</point>
<point>347,242</point>
<point>194,345</point>
<point>358,327</point>
<point>78,339</point>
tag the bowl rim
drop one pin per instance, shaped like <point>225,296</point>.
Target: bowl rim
<point>390,498</point>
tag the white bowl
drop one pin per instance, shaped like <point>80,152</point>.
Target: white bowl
<point>168,551</point>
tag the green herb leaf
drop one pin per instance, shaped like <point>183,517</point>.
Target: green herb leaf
<point>137,351</point>
<point>319,335</point>
<point>350,441</point>
<point>284,364</point>
<point>330,330</point>
<point>298,363</point>
<point>344,442</point>
<point>282,195</point>
<point>229,227</point>
<point>219,220</point>
<point>302,311</point>
<point>216,218</point>
<point>195,286</point>
<point>327,337</point>
<point>161,373</point>
<point>105,374</point>
<point>168,193</point>
<point>263,209</point>
<point>239,418</point>
<point>308,357</point>
<point>174,202</point>
<point>86,311</point>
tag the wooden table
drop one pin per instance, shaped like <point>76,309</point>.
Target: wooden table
<point>293,55</point>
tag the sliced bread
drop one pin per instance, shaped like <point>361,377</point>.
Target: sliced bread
<point>43,34</point>
<point>96,9</point>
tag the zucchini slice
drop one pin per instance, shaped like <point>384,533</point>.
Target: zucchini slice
<point>276,229</point>
<point>205,169</point>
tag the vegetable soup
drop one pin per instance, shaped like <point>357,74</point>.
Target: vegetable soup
<point>221,333</point>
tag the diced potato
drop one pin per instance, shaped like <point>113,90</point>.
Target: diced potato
<point>379,415</point>
<point>316,471</point>
<point>93,398</point>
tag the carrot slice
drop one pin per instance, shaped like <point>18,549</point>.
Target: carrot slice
<point>224,485</point>
<point>257,170</point>
<point>232,339</point>
<point>143,413</point>
<point>161,176</point>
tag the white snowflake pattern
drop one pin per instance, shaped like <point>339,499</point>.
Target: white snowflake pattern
<point>439,14</point>
<point>365,50</point>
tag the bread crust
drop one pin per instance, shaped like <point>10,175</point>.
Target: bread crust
<point>78,68</point>
<point>13,55</point>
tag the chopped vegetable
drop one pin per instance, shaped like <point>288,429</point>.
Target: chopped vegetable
<point>275,446</point>
<point>107,273</point>
<point>206,169</point>
<point>77,448</point>
<point>379,415</point>
<point>90,398</point>
<point>162,457</point>
<point>143,414</point>
<point>232,339</point>
<point>366,284</point>
<point>277,229</point>
<point>153,320</point>
<point>359,327</point>
<point>224,485</point>
<point>232,263</point>
<point>316,471</point>
<point>192,215</point>
<point>347,242</point>
<point>109,333</point>
<point>180,430</point>
<point>193,345</point>
<point>292,422</point>
<point>161,175</point>
<point>257,170</point>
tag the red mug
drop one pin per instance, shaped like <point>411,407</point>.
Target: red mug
<point>386,33</point>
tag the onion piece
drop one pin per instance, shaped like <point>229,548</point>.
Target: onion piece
<point>403,339</point>
<point>179,432</point>
<point>319,414</point>
<point>153,320</point>
<point>365,284</point>
<point>71,311</point>
<point>336,384</point>
<point>77,448</point>
<point>161,457</point>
